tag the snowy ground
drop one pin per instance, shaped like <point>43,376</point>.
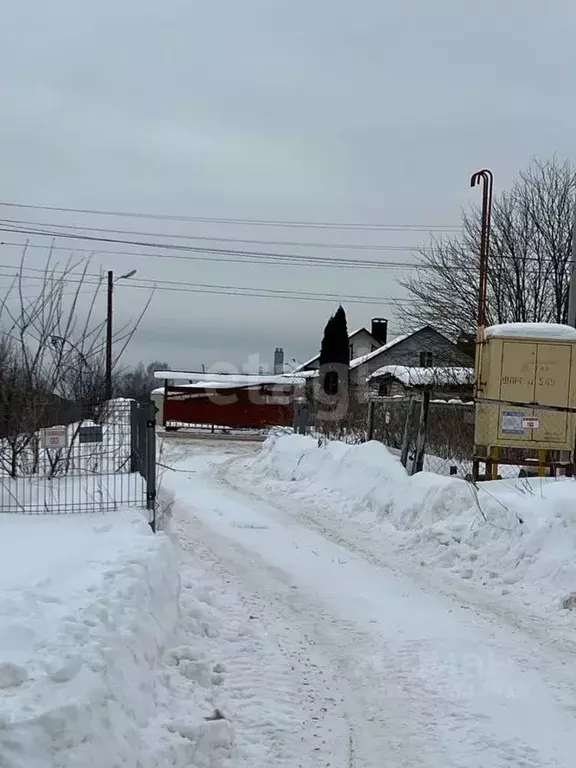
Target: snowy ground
<point>366,657</point>
<point>87,604</point>
<point>332,613</point>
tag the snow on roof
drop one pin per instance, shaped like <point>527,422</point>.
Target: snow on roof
<point>200,385</point>
<point>226,379</point>
<point>303,366</point>
<point>364,358</point>
<point>549,331</point>
<point>309,374</point>
<point>421,377</point>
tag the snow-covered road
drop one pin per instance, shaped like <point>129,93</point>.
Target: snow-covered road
<point>348,658</point>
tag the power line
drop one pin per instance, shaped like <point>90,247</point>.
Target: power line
<point>239,221</point>
<point>215,259</point>
<point>286,261</point>
<point>205,238</point>
<point>214,255</point>
<point>194,249</point>
<point>208,288</point>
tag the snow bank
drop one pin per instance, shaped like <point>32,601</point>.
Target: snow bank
<point>515,535</point>
<point>88,605</point>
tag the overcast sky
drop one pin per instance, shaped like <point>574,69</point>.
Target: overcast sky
<point>374,111</point>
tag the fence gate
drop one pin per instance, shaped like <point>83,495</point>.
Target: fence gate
<point>100,458</point>
<point>143,451</point>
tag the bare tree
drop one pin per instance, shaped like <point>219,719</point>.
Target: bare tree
<point>138,382</point>
<point>529,262</point>
<point>51,357</point>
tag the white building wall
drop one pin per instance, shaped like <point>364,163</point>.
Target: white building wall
<point>362,344</point>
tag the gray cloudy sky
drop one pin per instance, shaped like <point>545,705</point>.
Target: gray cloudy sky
<point>370,112</point>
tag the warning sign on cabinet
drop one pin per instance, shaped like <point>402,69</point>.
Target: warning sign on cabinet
<point>531,423</point>
<point>512,422</point>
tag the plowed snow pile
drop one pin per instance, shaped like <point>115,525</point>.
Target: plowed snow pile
<point>513,535</point>
<point>87,607</point>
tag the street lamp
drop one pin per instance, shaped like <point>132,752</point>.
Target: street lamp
<point>109,315</point>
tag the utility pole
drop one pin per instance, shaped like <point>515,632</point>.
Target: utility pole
<point>109,319</point>
<point>572,287</point>
<point>486,178</point>
<point>109,315</point>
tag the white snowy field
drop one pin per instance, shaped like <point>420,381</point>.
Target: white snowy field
<point>310,606</point>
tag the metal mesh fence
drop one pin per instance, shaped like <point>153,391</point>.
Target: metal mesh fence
<point>93,464</point>
<point>449,444</point>
<point>350,425</point>
<point>449,438</point>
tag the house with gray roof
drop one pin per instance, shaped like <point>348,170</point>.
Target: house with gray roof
<point>423,348</point>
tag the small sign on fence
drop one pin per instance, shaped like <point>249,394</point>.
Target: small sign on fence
<point>55,437</point>
<point>90,434</point>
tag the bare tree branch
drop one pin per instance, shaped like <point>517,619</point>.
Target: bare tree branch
<point>529,262</point>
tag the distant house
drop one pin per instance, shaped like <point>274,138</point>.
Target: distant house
<point>423,348</point>
<point>361,342</point>
<point>449,382</point>
<point>411,354</point>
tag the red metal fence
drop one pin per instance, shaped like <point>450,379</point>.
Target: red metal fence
<point>236,407</point>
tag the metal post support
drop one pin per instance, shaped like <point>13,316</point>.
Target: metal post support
<point>495,455</point>
<point>141,435</point>
<point>164,403</point>
<point>407,431</point>
<point>542,462</point>
<point>150,411</point>
<point>303,419</point>
<point>295,415</point>
<point>488,466</point>
<point>475,470</point>
<point>418,463</point>
<point>371,407</point>
<point>134,463</point>
<point>571,320</point>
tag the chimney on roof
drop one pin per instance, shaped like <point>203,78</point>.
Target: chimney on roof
<point>278,361</point>
<point>380,330</point>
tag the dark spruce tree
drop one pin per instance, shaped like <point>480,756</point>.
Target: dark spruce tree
<point>334,352</point>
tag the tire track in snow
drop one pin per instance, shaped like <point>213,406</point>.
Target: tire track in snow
<point>374,704</point>
<point>270,687</point>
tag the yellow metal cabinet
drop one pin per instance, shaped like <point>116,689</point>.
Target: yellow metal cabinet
<point>530,370</point>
